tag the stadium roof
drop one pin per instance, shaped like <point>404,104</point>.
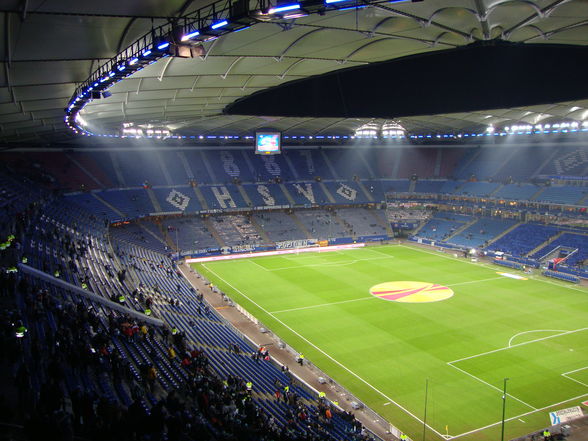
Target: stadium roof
<point>51,47</point>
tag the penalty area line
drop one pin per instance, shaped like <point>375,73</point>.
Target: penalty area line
<point>534,330</point>
<point>567,375</point>
<point>492,386</point>
<point>408,412</point>
<point>517,345</point>
<point>479,429</point>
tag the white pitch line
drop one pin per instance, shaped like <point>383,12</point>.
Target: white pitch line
<point>574,380</point>
<point>323,304</point>
<point>401,407</point>
<point>475,281</point>
<point>575,370</point>
<point>255,263</point>
<point>479,429</point>
<point>492,386</point>
<point>379,252</point>
<point>325,354</point>
<point>518,344</point>
<point>327,264</point>
<point>534,330</point>
<point>492,268</point>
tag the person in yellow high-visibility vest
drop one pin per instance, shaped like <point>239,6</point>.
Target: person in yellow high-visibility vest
<point>300,359</point>
<point>322,395</point>
<point>249,386</point>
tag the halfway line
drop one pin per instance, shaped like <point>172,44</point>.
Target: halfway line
<point>408,412</point>
<point>476,281</point>
<point>323,304</point>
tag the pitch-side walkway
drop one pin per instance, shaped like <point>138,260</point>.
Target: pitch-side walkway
<point>284,356</point>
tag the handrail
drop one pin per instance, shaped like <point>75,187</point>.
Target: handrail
<point>89,295</point>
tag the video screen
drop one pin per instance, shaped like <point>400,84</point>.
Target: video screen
<point>268,143</point>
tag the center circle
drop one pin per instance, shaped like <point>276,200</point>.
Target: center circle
<point>411,292</point>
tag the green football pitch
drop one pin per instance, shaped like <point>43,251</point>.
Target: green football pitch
<point>533,332</point>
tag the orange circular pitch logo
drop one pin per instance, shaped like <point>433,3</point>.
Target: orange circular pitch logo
<point>411,292</point>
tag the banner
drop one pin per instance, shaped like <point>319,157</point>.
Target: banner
<point>565,415</point>
<point>300,243</point>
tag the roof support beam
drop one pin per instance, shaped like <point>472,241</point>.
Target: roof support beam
<point>422,21</point>
<point>538,13</point>
<point>247,82</point>
<point>363,46</point>
<point>124,34</point>
<point>483,18</point>
<point>281,77</point>
<point>167,63</point>
<point>25,7</point>
<point>224,77</point>
<point>194,83</point>
<point>295,42</point>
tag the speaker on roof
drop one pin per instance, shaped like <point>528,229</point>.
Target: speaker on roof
<point>189,51</point>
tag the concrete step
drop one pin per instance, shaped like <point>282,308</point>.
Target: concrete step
<point>300,225</point>
<point>112,207</point>
<point>504,233</point>
<point>365,191</point>
<point>260,230</point>
<point>287,194</point>
<point>326,191</point>
<point>382,221</point>
<point>214,232</point>
<point>245,196</point>
<point>85,170</point>
<point>544,244</point>
<point>460,229</point>
<point>200,198</point>
<point>154,201</point>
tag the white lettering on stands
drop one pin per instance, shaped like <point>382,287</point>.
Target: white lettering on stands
<point>178,200</point>
<point>231,168</point>
<point>306,191</point>
<point>347,192</point>
<point>224,198</point>
<point>271,165</point>
<point>265,194</point>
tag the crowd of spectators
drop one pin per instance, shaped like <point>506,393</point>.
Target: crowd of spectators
<point>71,370</point>
<point>69,358</point>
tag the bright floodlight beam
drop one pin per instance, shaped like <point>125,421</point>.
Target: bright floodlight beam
<point>284,8</point>
<point>190,35</point>
<point>220,24</point>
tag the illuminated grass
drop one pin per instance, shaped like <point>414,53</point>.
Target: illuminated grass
<point>384,351</point>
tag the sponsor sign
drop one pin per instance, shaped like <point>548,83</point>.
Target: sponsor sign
<point>565,415</point>
<point>295,243</point>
